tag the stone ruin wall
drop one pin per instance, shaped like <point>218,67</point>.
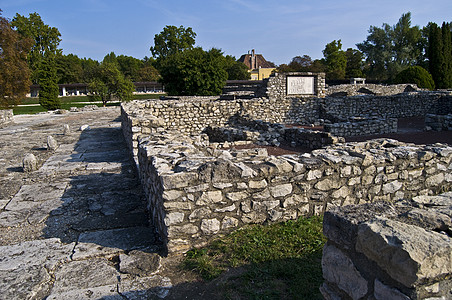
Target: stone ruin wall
<point>383,250</point>
<point>438,122</point>
<point>6,116</point>
<point>370,89</point>
<point>195,192</point>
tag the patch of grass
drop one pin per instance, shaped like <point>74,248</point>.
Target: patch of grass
<point>280,261</point>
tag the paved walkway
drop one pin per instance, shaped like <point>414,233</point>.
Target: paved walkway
<point>77,228</point>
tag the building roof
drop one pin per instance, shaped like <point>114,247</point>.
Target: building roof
<point>255,61</point>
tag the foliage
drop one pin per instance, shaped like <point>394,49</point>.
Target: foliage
<point>172,40</point>
<point>390,49</point>
<point>440,54</point>
<point>354,67</point>
<point>14,71</point>
<point>236,70</point>
<point>335,60</point>
<point>46,39</point>
<point>279,259</point>
<point>48,93</point>
<point>109,83</point>
<point>417,75</point>
<point>69,68</point>
<point>194,72</point>
<point>303,64</point>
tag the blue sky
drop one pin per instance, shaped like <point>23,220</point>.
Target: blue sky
<point>279,30</point>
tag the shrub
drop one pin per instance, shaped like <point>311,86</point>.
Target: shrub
<point>417,75</point>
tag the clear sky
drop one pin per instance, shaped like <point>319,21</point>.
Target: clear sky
<point>279,30</point>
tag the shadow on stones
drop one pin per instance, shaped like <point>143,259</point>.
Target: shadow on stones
<point>15,169</point>
<point>103,204</point>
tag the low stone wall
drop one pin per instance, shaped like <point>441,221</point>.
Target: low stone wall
<point>385,250</point>
<point>195,192</point>
<point>6,116</point>
<point>396,106</point>
<point>362,126</point>
<point>265,133</point>
<point>438,122</point>
<point>369,89</point>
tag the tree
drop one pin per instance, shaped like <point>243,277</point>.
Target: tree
<point>148,72</point>
<point>14,71</point>
<point>194,72</point>
<point>335,60</point>
<point>439,54</point>
<point>69,68</point>
<point>48,93</point>
<point>172,40</point>
<point>46,39</point>
<point>417,75</point>
<point>109,83</point>
<point>390,49</point>
<point>354,68</point>
<point>236,70</point>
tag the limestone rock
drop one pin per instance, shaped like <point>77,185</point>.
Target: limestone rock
<point>338,268</point>
<point>66,129</point>
<point>52,144</point>
<point>407,253</point>
<point>139,263</point>
<point>29,163</point>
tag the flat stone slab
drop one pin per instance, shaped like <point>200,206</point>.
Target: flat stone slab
<point>115,241</point>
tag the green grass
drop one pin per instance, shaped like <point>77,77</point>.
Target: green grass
<point>280,261</point>
<point>70,101</point>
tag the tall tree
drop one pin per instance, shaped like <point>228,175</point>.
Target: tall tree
<point>48,93</point>
<point>390,49</point>
<point>46,39</point>
<point>194,72</point>
<point>109,83</point>
<point>172,40</point>
<point>335,60</point>
<point>14,71</point>
<point>354,66</point>
<point>69,68</point>
<point>446,67</point>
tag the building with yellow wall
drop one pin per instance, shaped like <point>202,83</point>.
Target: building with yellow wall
<point>258,66</point>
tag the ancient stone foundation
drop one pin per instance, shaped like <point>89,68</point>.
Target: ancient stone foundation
<point>362,126</point>
<point>6,116</point>
<point>195,192</point>
<point>438,122</point>
<point>384,250</point>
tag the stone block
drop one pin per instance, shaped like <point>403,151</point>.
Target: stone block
<point>338,268</point>
<point>409,254</point>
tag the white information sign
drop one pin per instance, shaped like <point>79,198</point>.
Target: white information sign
<point>300,85</point>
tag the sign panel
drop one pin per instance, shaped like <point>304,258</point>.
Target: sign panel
<point>300,85</point>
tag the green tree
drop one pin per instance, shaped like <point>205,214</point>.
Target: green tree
<point>172,40</point>
<point>354,68</point>
<point>69,68</point>
<point>48,93</point>
<point>416,75</point>
<point>109,83</point>
<point>335,60</point>
<point>390,49</point>
<point>236,70</point>
<point>46,40</point>
<point>446,66</point>
<point>194,72</point>
<point>89,67</point>
<point>14,71</point>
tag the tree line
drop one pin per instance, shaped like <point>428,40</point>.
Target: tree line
<point>30,53</point>
<point>390,54</point>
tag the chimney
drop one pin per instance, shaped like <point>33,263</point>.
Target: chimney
<point>253,60</point>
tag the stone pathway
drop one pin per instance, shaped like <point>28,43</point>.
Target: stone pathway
<point>77,228</point>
